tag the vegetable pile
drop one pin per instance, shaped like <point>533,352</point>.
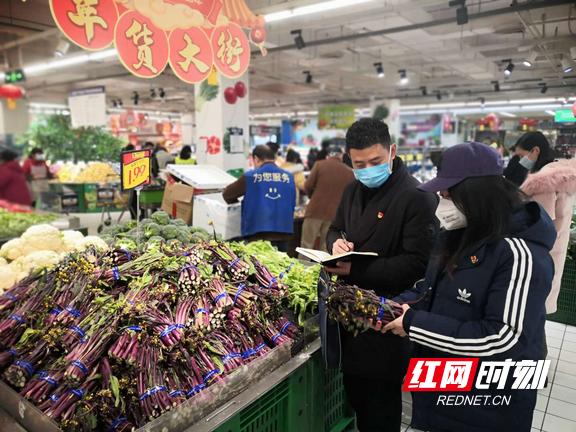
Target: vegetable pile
<point>300,279</point>
<point>358,309</point>
<point>159,228</point>
<point>14,224</point>
<point>39,247</point>
<point>109,341</point>
<point>94,172</point>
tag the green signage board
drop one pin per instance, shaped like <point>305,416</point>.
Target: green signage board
<point>14,76</point>
<point>564,116</point>
<point>336,117</point>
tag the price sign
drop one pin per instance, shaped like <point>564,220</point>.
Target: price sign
<point>136,169</point>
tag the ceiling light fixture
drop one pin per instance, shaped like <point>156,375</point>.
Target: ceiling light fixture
<point>507,114</point>
<point>69,61</point>
<point>153,93</point>
<point>424,91</point>
<point>509,69</point>
<point>438,95</point>
<point>161,93</point>
<point>379,70</point>
<point>308,77</point>
<point>567,67</point>
<point>529,61</point>
<point>403,77</point>
<point>544,88</point>
<point>482,102</point>
<point>552,113</point>
<point>62,48</point>
<point>312,9</point>
<point>496,86</point>
<point>135,98</point>
<point>298,39</point>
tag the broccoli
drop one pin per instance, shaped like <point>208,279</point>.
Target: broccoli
<point>161,217</point>
<point>156,239</point>
<point>146,221</point>
<point>152,230</point>
<point>169,232</point>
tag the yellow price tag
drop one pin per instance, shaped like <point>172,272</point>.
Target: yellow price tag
<point>135,172</point>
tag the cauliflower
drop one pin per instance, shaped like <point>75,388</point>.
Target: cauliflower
<point>35,260</point>
<point>3,262</point>
<point>43,237</point>
<point>71,239</point>
<point>14,249</point>
<point>7,277</point>
<point>83,243</point>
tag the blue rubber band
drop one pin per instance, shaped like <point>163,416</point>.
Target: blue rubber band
<point>55,311</point>
<point>116,273</point>
<point>219,297</point>
<point>78,330</point>
<point>81,366</point>
<point>249,353</point>
<point>206,378</point>
<point>117,423</point>
<point>233,263</point>
<point>285,326</point>
<point>43,376</point>
<point>176,393</point>
<point>189,266</point>
<point>202,310</point>
<point>272,282</point>
<point>27,366</point>
<point>54,398</point>
<point>260,347</point>
<point>134,328</point>
<point>196,390</point>
<point>17,318</point>
<point>275,337</point>
<point>240,289</point>
<point>152,391</point>
<point>381,308</point>
<point>171,328</point>
<point>230,356</point>
<point>74,312</point>
<point>13,352</point>
<point>10,296</point>
<point>79,393</point>
<point>127,252</point>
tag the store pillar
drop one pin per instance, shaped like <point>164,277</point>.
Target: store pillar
<point>222,125</point>
<point>14,119</point>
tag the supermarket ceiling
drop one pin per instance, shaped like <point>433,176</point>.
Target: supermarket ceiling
<point>442,60</point>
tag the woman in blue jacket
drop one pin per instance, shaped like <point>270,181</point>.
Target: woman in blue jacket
<point>484,291</point>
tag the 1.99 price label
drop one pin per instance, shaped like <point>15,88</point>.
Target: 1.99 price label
<point>135,169</point>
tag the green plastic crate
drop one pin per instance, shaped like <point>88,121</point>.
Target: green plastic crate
<point>566,312</point>
<point>152,197</point>
<point>310,399</point>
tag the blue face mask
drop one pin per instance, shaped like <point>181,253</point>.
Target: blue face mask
<point>373,177</point>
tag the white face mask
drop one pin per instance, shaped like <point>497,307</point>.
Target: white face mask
<point>450,216</point>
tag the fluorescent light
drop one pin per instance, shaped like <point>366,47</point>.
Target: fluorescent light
<point>2,76</point>
<point>312,9</point>
<point>552,113</point>
<point>529,61</point>
<point>43,105</point>
<point>68,61</point>
<point>507,114</point>
<point>531,101</point>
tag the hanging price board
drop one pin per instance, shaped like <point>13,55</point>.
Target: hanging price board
<point>136,169</point>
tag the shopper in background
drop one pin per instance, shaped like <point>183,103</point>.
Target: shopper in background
<point>37,173</point>
<point>295,167</point>
<point>275,147</point>
<point>129,147</point>
<point>185,157</point>
<point>382,212</point>
<point>484,291</point>
<point>514,171</point>
<point>269,200</point>
<point>13,185</point>
<point>553,185</point>
<point>163,157</point>
<point>323,153</point>
<point>325,186</point>
<point>312,158</point>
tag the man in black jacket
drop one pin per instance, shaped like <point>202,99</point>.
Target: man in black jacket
<point>383,212</point>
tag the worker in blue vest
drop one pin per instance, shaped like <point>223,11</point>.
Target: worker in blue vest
<point>269,199</point>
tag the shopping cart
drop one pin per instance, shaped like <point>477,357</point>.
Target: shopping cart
<point>110,198</point>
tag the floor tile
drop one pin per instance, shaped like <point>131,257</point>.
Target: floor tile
<point>566,367</point>
<point>553,353</point>
<point>554,342</point>
<point>570,329</point>
<point>562,409</point>
<point>570,337</point>
<point>557,424</point>
<point>537,419</point>
<point>542,403</point>
<point>567,356</point>
<point>552,369</point>
<point>563,393</point>
<point>555,333</point>
<point>569,346</point>
<point>565,380</point>
<point>535,430</point>
<point>547,390</point>
<point>552,325</point>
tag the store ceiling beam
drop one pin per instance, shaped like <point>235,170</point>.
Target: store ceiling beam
<point>531,5</point>
<point>29,39</point>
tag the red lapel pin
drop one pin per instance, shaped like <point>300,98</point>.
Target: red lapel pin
<point>380,215</point>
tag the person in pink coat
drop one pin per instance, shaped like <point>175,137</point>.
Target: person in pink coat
<point>551,183</point>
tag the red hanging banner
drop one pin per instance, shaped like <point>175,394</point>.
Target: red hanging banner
<point>191,56</point>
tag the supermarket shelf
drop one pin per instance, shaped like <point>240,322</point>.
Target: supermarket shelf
<point>243,400</point>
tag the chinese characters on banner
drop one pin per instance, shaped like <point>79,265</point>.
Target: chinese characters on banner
<point>194,37</point>
<point>88,23</point>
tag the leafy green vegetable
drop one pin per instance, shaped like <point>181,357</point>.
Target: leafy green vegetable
<point>14,224</point>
